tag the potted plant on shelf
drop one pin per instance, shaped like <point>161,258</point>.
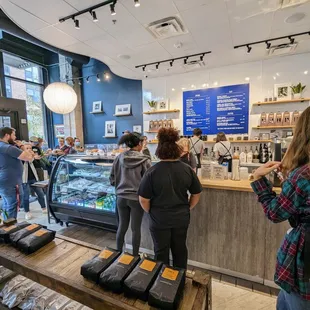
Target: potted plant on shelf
<point>297,90</point>
<point>152,105</point>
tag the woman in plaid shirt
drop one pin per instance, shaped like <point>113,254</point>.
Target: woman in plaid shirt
<point>293,204</point>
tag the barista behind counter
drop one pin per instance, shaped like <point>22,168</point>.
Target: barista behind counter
<point>222,150</point>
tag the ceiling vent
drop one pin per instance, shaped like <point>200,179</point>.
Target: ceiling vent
<point>194,64</point>
<point>166,28</point>
<point>282,49</point>
<point>289,3</point>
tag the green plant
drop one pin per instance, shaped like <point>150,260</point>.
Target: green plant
<point>2,212</point>
<point>298,89</point>
<point>152,103</point>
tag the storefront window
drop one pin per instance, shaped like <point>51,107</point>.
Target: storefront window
<point>24,80</point>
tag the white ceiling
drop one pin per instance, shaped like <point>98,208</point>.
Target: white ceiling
<point>215,25</point>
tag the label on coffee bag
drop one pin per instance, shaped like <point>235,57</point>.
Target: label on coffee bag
<point>32,227</point>
<point>170,274</point>
<point>105,254</point>
<point>9,228</point>
<point>148,265</point>
<point>40,233</point>
<point>125,259</point>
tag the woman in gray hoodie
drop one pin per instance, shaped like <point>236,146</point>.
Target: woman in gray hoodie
<point>126,175</point>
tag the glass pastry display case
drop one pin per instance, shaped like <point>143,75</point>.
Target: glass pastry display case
<point>80,191</point>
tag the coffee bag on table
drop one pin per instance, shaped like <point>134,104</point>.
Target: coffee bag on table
<point>22,233</point>
<point>167,290</point>
<point>92,269</point>
<point>36,241</point>
<point>113,277</point>
<point>139,282</point>
<point>5,231</point>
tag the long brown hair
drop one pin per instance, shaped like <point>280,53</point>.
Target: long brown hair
<point>298,153</point>
<point>167,146</point>
<point>221,137</point>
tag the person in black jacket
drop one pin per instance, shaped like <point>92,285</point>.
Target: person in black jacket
<point>30,176</point>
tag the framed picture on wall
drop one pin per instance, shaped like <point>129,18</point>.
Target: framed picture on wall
<point>123,110</point>
<point>137,128</point>
<point>283,91</point>
<point>110,129</point>
<point>163,105</point>
<point>97,107</point>
<point>59,131</point>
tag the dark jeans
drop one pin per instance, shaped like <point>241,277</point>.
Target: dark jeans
<point>39,192</point>
<point>10,199</point>
<point>291,301</point>
<point>129,210</point>
<point>174,239</point>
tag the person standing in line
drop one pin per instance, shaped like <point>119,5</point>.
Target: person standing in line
<point>293,204</point>
<point>30,176</point>
<point>187,157</point>
<point>145,149</point>
<point>126,174</point>
<point>197,146</point>
<point>11,171</point>
<point>77,145</point>
<point>222,150</point>
<point>163,193</point>
<point>70,146</point>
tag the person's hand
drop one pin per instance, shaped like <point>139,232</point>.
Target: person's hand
<point>266,169</point>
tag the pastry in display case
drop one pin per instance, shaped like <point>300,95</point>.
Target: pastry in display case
<point>80,192</point>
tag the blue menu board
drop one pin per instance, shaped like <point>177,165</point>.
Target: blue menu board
<point>217,109</point>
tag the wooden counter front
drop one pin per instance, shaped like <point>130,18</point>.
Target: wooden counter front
<point>230,185</point>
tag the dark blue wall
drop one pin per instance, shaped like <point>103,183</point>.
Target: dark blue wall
<point>117,90</point>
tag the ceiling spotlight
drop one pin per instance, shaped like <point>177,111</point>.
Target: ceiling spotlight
<point>143,68</point>
<point>185,61</point>
<point>106,76</point>
<point>112,8</point>
<point>306,72</point>
<point>274,77</point>
<point>157,66</point>
<point>171,63</point>
<point>137,3</point>
<point>247,78</point>
<point>76,23</point>
<point>268,45</point>
<point>201,57</point>
<point>94,15</point>
<point>193,86</point>
<point>215,83</point>
<point>87,79</point>
<point>249,49</point>
<point>98,78</point>
<point>173,89</point>
<point>292,40</point>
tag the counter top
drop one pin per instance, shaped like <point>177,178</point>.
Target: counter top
<point>242,186</point>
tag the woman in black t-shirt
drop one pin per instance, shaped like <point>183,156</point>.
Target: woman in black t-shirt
<point>163,194</point>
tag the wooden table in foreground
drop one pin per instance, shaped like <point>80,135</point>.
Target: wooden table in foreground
<point>57,266</point>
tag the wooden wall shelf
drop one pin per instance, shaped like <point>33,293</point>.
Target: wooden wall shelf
<point>153,142</point>
<point>99,112</point>
<point>282,101</point>
<point>244,141</point>
<point>162,111</point>
<point>154,131</point>
<point>273,127</point>
<point>110,137</point>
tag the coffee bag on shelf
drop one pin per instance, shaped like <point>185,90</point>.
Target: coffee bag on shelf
<point>155,125</point>
<point>263,119</point>
<point>113,277</point>
<point>139,282</point>
<point>295,118</point>
<point>167,290</point>
<point>286,118</point>
<point>271,119</point>
<point>28,302</point>
<point>279,120</point>
<point>92,269</point>
<point>22,233</point>
<point>160,124</point>
<point>5,231</point>
<point>36,241</point>
<point>151,126</point>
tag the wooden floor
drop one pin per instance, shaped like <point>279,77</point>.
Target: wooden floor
<point>226,295</point>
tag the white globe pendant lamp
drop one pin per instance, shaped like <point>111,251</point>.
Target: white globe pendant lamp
<point>60,98</point>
